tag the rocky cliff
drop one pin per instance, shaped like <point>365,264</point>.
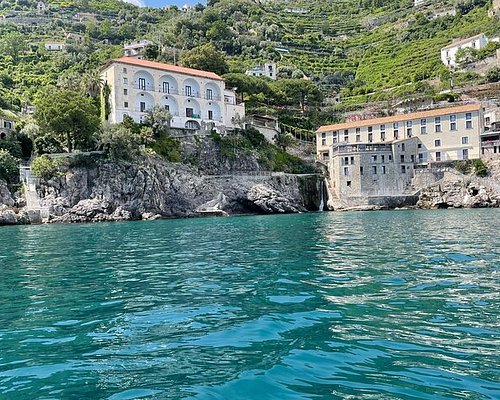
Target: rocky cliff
<point>152,188</point>
<point>455,190</point>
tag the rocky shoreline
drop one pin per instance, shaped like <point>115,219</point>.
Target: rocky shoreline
<point>153,189</point>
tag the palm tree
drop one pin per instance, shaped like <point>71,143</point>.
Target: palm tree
<point>92,83</point>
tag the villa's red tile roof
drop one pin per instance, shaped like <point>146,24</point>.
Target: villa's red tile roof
<point>166,67</point>
<point>401,117</point>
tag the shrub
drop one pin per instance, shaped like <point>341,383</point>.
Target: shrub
<point>44,167</point>
<point>168,147</point>
<point>9,167</point>
<point>463,166</point>
<point>480,169</point>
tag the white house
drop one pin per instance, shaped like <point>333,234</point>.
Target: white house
<point>268,70</point>
<point>449,53</point>
<point>54,46</point>
<point>194,98</point>
<point>135,49</point>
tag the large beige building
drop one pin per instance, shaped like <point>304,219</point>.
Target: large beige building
<point>194,98</point>
<point>444,134</point>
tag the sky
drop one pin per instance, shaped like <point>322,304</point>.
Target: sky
<point>162,3</point>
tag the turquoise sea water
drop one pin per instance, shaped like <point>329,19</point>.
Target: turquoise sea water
<point>380,305</point>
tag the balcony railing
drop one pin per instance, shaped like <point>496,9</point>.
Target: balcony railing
<point>145,88</point>
<point>214,97</point>
<point>168,91</point>
<point>490,143</point>
<point>190,93</point>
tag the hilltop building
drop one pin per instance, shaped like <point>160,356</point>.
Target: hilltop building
<point>135,49</point>
<point>268,70</point>
<point>54,46</point>
<point>449,53</point>
<point>194,98</point>
<point>7,127</point>
<point>370,161</point>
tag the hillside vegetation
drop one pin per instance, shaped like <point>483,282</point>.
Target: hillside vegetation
<point>369,50</point>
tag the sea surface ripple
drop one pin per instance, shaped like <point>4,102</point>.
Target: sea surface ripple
<point>380,305</point>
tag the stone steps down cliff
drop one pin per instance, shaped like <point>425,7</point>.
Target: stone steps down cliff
<point>152,188</point>
<point>456,190</point>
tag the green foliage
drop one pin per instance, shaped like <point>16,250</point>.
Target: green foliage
<point>44,167</point>
<point>12,146</point>
<point>9,166</point>
<point>205,57</point>
<point>480,168</point>
<point>119,142</point>
<point>158,119</point>
<point>168,147</point>
<point>72,118</point>
<point>493,75</point>
<point>463,166</point>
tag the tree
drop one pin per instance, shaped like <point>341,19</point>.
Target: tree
<point>152,52</point>
<point>91,84</point>
<point>73,119</point>
<point>297,91</point>
<point>283,140</point>
<point>13,44</point>
<point>158,119</point>
<point>119,142</point>
<point>493,75</point>
<point>9,167</point>
<point>206,58</point>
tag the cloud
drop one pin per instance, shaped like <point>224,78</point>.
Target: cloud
<point>138,3</point>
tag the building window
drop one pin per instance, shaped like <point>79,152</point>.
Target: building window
<point>487,120</point>
<point>125,81</point>
<point>453,122</point>
<point>409,128</point>
<point>423,126</point>
<point>374,170</point>
<point>382,133</point>
<point>188,90</point>
<point>358,137</point>
<point>167,107</point>
<point>465,140</point>
<point>412,158</point>
<point>125,92</point>
<point>323,135</point>
<point>374,159</point>
<point>402,157</point>
<point>370,137</point>
<point>390,157</point>
<point>438,156</point>
<point>142,106</point>
<point>437,124</point>
<point>210,94</point>
<point>352,160</point>
<point>437,143</point>
<point>465,154</point>
<point>361,170</point>
<point>210,115</point>
<point>346,161</point>
<point>468,120</point>
<point>383,169</point>
<point>346,171</point>
<point>382,158</point>
<point>165,87</point>
<point>403,169</point>
<point>419,145</point>
<point>395,127</point>
<point>348,183</point>
<point>189,112</point>
<point>402,147</point>
<point>125,104</point>
<point>124,70</point>
<point>323,142</point>
<point>346,135</point>
<point>142,83</point>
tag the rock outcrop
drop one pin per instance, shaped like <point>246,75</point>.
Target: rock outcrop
<point>152,188</point>
<point>464,191</point>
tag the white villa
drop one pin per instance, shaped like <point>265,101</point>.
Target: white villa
<point>54,46</point>
<point>194,98</point>
<point>268,70</point>
<point>449,53</point>
<point>7,127</point>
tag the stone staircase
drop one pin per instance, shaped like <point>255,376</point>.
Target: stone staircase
<point>33,206</point>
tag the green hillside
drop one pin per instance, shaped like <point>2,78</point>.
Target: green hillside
<point>358,47</point>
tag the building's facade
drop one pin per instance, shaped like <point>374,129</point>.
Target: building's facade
<point>135,49</point>
<point>361,172</point>
<point>194,98</point>
<point>445,134</point>
<point>54,46</point>
<point>449,53</point>
<point>7,127</point>
<point>495,9</point>
<point>268,70</point>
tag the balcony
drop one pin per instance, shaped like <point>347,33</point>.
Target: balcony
<point>190,93</point>
<point>169,91</point>
<point>213,97</point>
<point>144,88</point>
<point>490,143</point>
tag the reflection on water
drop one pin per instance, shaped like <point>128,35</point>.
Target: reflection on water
<point>381,305</point>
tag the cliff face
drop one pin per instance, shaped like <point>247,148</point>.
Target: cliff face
<point>464,191</point>
<point>152,188</point>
